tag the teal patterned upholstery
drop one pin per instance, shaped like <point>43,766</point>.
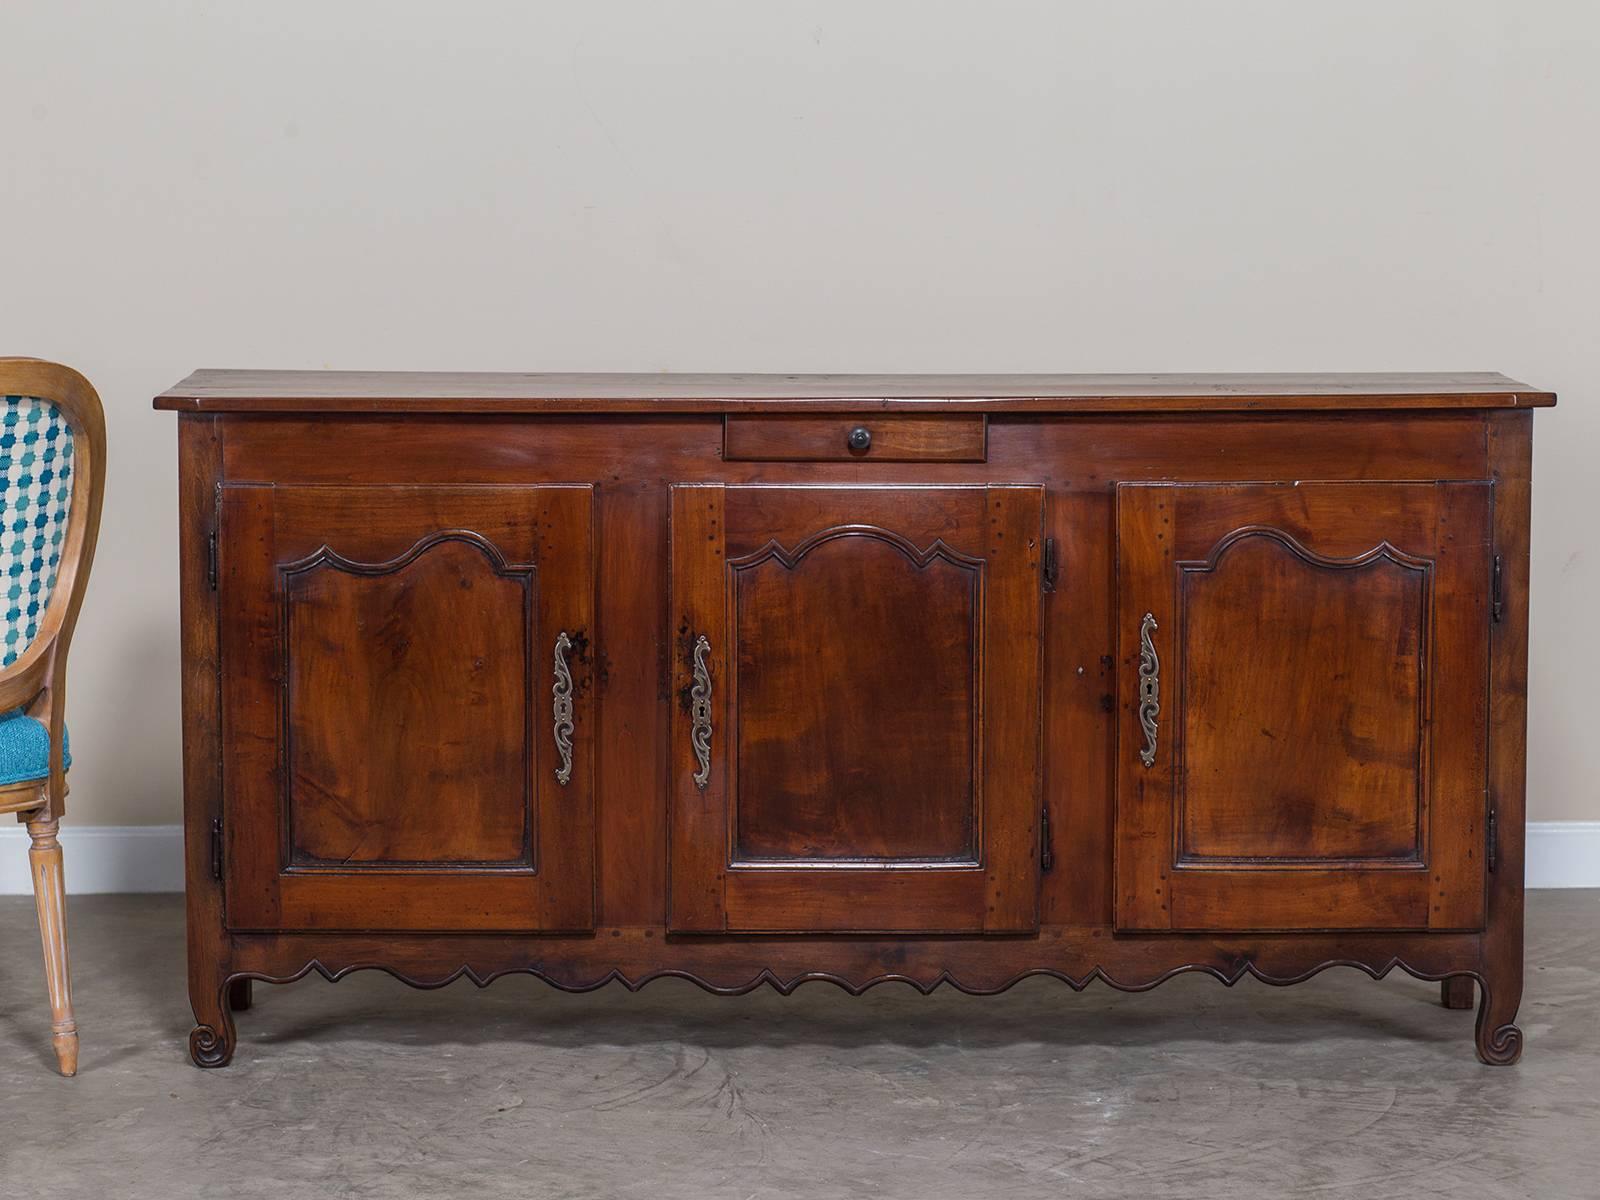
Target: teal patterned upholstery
<point>36,469</point>
<point>25,748</point>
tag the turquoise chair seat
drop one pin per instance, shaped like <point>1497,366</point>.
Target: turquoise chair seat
<point>25,748</point>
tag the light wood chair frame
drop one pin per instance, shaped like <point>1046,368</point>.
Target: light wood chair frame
<point>37,681</point>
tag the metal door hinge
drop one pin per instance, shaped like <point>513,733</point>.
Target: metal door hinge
<point>1497,604</point>
<point>1492,839</point>
<point>211,559</point>
<point>1047,855</point>
<point>216,849</point>
<point>1051,566</point>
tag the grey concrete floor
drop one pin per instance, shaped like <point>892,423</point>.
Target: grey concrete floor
<point>1340,1087</point>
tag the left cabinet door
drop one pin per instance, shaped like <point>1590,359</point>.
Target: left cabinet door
<point>407,731</point>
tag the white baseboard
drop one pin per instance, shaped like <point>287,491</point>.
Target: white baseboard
<point>149,858</point>
<point>1564,854</point>
<point>100,858</point>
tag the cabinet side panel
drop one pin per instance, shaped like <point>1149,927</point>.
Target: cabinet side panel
<point>1510,442</point>
<point>199,470</point>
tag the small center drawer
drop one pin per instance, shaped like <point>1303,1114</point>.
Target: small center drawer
<point>842,438</point>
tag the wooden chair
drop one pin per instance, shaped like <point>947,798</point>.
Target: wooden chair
<point>52,469</point>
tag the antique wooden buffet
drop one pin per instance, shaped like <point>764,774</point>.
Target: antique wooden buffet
<point>937,679</point>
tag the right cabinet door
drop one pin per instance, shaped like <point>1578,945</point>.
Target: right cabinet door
<point>1303,700</point>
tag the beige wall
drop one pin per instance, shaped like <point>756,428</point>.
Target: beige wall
<point>801,186</point>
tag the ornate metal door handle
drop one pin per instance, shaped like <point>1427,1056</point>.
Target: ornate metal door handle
<point>561,705</point>
<point>700,712</point>
<point>1149,689</point>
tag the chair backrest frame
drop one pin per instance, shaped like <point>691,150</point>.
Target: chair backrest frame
<point>37,680</point>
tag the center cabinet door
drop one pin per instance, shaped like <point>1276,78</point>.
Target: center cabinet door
<point>855,739</point>
<point>406,726</point>
<point>1304,683</point>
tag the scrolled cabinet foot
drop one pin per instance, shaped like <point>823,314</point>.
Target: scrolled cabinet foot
<point>1499,1041</point>
<point>212,1040</point>
<point>1500,1046</point>
<point>210,1048</point>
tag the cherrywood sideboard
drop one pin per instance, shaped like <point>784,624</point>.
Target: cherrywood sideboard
<point>770,679</point>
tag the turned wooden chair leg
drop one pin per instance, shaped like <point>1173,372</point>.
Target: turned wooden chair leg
<point>50,897</point>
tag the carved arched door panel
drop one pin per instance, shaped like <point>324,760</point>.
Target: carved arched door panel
<point>1291,655</point>
<point>857,742</point>
<point>407,740</point>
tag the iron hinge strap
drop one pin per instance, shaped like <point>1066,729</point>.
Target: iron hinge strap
<point>1047,854</point>
<point>216,849</point>
<point>211,559</point>
<point>1492,838</point>
<point>1051,568</point>
<point>1498,597</point>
